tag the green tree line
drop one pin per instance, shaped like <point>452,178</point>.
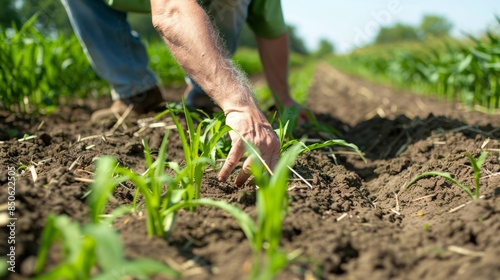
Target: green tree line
<point>430,26</point>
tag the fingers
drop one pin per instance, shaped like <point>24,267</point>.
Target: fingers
<point>245,172</point>
<point>233,158</point>
<point>270,155</point>
<point>254,128</point>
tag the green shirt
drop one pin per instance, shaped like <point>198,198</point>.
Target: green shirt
<point>265,18</point>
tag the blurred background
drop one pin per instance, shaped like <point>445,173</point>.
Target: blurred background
<point>351,24</point>
<point>346,25</point>
<point>446,48</point>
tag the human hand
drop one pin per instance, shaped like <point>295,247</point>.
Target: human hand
<point>254,128</point>
<point>304,116</point>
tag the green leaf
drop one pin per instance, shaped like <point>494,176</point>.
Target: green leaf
<point>335,142</point>
<point>72,244</point>
<point>86,258</point>
<point>71,237</point>
<point>464,64</point>
<point>184,141</point>
<point>141,268</point>
<point>147,153</point>
<point>159,167</point>
<point>495,66</point>
<point>108,248</point>
<point>476,165</point>
<point>63,271</point>
<point>49,234</point>
<point>444,175</point>
<point>481,54</point>
<point>116,213</point>
<point>244,220</point>
<point>290,117</point>
<point>102,187</point>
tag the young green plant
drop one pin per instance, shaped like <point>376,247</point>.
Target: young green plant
<point>159,190</point>
<point>87,246</point>
<point>96,243</point>
<point>287,124</point>
<point>264,235</point>
<point>199,148</point>
<point>272,207</point>
<point>150,184</point>
<point>476,166</point>
<point>37,72</point>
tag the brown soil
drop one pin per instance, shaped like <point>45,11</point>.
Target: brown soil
<point>356,223</point>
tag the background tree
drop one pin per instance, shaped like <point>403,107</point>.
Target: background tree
<point>396,33</point>
<point>296,42</point>
<point>51,15</point>
<point>434,25</point>
<point>325,48</point>
<point>247,39</point>
<point>8,15</point>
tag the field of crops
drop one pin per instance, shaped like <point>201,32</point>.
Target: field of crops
<point>384,185</point>
<point>468,71</point>
<point>38,73</point>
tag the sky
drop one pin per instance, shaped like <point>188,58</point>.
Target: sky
<point>353,23</point>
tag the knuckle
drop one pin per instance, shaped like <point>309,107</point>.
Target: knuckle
<point>236,141</point>
<point>230,162</point>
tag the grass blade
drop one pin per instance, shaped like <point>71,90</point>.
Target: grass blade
<point>141,268</point>
<point>102,187</point>
<point>476,166</point>
<point>244,220</point>
<point>444,175</point>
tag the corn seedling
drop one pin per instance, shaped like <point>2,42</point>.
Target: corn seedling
<point>101,189</point>
<point>96,243</point>
<point>85,247</point>
<point>199,148</point>
<point>150,185</point>
<point>38,71</point>
<point>264,235</point>
<point>272,207</point>
<point>466,70</point>
<point>159,190</point>
<point>287,139</point>
<point>476,166</point>
<point>223,145</point>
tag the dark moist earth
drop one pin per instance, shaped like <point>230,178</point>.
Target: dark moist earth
<point>357,222</point>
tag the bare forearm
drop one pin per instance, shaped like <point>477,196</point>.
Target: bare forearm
<point>190,36</point>
<point>274,56</point>
<point>187,31</point>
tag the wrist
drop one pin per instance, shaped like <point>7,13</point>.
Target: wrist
<point>239,102</point>
<point>251,111</point>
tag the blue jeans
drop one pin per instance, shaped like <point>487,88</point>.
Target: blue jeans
<point>117,54</point>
